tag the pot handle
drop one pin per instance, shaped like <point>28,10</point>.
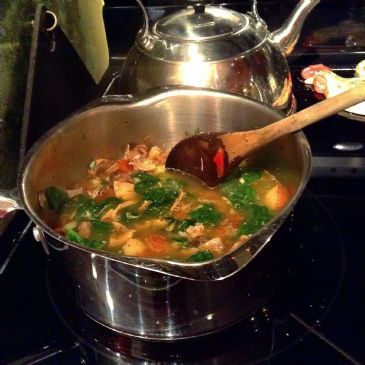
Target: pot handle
<point>9,201</point>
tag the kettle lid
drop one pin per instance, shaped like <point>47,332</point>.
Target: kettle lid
<point>192,24</point>
<point>207,33</point>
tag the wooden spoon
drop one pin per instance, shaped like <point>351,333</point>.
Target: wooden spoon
<point>212,156</point>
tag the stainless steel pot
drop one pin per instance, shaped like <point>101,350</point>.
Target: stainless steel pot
<point>215,47</point>
<point>121,292</point>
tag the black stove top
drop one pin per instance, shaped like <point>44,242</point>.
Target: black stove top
<point>316,314</point>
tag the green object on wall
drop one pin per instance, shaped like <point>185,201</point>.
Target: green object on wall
<point>87,34</point>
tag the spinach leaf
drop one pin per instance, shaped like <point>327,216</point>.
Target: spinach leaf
<point>183,241</point>
<point>89,209</point>
<point>239,193</point>
<point>72,235</point>
<point>160,195</point>
<point>74,203</point>
<point>56,198</point>
<point>156,210</point>
<point>258,216</point>
<point>171,184</point>
<point>181,226</point>
<point>201,256</point>
<point>144,181</point>
<point>251,176</point>
<point>129,215</point>
<point>100,231</point>
<point>206,214</point>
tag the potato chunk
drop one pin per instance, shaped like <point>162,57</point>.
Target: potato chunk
<point>277,197</point>
<point>134,247</point>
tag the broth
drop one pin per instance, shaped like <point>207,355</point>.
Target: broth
<point>135,207</point>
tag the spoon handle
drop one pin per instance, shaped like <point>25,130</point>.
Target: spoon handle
<point>313,114</point>
<point>259,137</point>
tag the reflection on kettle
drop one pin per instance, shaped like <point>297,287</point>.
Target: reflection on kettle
<point>214,47</point>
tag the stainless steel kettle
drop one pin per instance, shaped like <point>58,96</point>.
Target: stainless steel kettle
<point>214,47</point>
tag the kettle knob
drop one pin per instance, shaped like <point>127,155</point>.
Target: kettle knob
<point>198,5</point>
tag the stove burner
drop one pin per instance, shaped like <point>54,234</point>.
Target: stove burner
<point>308,286</point>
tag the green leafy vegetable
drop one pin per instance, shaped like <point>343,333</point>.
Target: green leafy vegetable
<point>72,235</point>
<point>181,226</point>
<point>89,209</point>
<point>206,214</point>
<point>56,198</point>
<point>160,195</point>
<point>183,241</point>
<point>156,210</point>
<point>100,231</point>
<point>144,181</point>
<point>130,215</point>
<point>239,193</point>
<point>201,256</point>
<point>259,216</point>
<point>171,184</point>
<point>251,176</point>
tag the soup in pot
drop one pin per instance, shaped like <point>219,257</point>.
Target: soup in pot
<point>136,207</point>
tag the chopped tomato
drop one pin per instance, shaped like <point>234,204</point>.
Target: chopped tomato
<point>156,242</point>
<point>124,166</point>
<point>219,162</point>
<point>311,70</point>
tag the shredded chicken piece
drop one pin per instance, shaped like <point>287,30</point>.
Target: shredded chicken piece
<point>152,223</point>
<point>239,242</point>
<point>143,165</point>
<point>187,252</point>
<point>95,187</point>
<point>177,203</point>
<point>163,156</point>
<point>215,245</point>
<point>119,227</point>
<point>181,212</point>
<point>137,153</point>
<point>121,239</point>
<point>154,153</point>
<point>111,214</point>
<point>85,229</point>
<point>142,150</point>
<point>123,177</point>
<point>195,231</point>
<point>73,192</point>
<point>113,168</point>
<point>144,206</point>
<point>100,164</point>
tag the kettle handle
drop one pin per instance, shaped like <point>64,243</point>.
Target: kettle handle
<point>146,22</point>
<point>255,12</point>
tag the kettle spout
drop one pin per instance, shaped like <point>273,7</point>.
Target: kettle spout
<point>286,36</point>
